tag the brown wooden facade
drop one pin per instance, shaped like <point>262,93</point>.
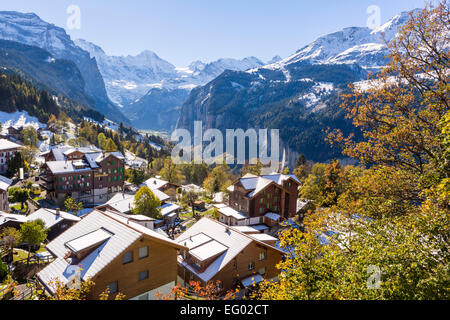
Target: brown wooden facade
<point>109,176</point>
<point>254,259</point>
<point>273,198</point>
<point>161,264</point>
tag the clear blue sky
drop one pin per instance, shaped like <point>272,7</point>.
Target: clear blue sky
<point>182,31</point>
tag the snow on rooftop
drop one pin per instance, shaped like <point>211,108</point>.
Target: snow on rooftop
<point>260,227</point>
<point>6,144</point>
<point>122,202</point>
<point>58,167</point>
<point>230,212</point>
<point>155,183</point>
<point>4,183</point>
<point>89,240</point>
<point>50,217</point>
<point>168,208</point>
<point>272,216</point>
<point>233,240</point>
<point>263,237</point>
<point>208,250</point>
<point>122,235</point>
<point>197,240</point>
<point>246,229</point>
<point>5,217</point>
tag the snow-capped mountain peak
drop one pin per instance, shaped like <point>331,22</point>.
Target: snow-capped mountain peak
<point>360,45</point>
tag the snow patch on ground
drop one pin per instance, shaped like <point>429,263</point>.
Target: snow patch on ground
<point>17,120</point>
<point>316,93</point>
<point>106,124</point>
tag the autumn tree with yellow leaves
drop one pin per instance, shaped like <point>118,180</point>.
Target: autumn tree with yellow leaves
<point>387,235</point>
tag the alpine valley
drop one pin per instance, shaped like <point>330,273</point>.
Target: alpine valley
<point>300,95</point>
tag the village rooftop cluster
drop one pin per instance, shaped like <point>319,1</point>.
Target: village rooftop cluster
<point>134,254</point>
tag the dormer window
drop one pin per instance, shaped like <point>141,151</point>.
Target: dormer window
<point>86,244</point>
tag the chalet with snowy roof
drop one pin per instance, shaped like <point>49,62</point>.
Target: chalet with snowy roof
<point>219,252</point>
<point>56,221</point>
<point>7,150</point>
<point>65,152</point>
<point>266,199</point>
<point>114,253</point>
<point>91,178</point>
<point>8,220</point>
<point>168,188</point>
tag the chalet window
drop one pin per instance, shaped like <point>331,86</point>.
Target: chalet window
<point>143,252</point>
<point>127,257</point>
<point>260,210</point>
<point>251,266</point>
<point>113,287</point>
<point>262,271</point>
<point>143,275</point>
<point>262,256</point>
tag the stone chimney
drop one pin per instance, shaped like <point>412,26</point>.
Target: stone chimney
<point>57,212</point>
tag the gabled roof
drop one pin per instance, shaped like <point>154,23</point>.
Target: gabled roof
<point>155,183</point>
<point>230,212</point>
<point>281,178</point>
<point>206,230</point>
<point>50,217</point>
<point>160,195</point>
<point>6,145</point>
<point>59,167</point>
<point>93,159</point>
<point>143,230</point>
<point>4,183</point>
<point>169,209</point>
<point>255,184</point>
<point>122,202</point>
<point>116,235</point>
<point>5,217</point>
<point>272,216</point>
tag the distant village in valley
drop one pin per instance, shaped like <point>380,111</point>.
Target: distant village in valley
<point>134,230</point>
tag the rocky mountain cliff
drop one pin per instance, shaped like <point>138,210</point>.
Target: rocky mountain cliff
<point>299,95</point>
<point>29,29</point>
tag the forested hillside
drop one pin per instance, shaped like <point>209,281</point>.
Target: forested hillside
<point>17,94</point>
